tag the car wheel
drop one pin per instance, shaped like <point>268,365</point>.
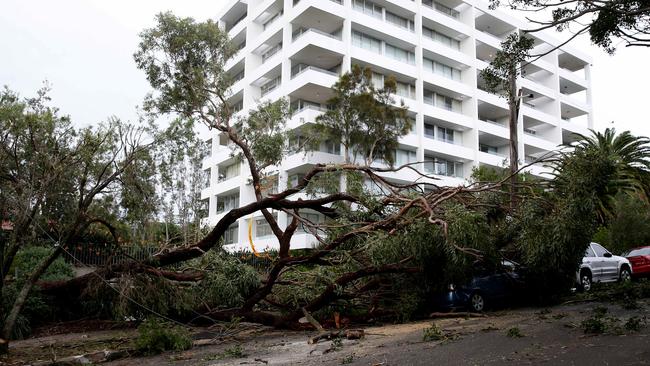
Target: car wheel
<point>477,302</point>
<point>585,281</point>
<point>625,275</point>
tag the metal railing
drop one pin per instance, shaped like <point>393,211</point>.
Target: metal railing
<point>102,254</point>
<point>302,31</point>
<point>304,68</point>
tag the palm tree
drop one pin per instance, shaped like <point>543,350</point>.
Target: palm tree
<point>621,164</point>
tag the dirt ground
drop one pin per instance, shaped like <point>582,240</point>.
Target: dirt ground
<point>553,336</point>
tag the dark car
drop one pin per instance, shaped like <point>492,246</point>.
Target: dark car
<point>487,288</point>
<point>640,260</point>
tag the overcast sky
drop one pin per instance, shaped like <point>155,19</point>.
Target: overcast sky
<point>84,49</point>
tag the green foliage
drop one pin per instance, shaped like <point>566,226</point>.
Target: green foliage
<point>622,20</point>
<point>514,332</point>
<point>37,308</point>
<point>506,65</point>
<point>635,323</point>
<point>183,61</point>
<point>155,337</point>
<point>621,165</point>
<point>362,118</point>
<point>628,227</point>
<point>435,333</point>
<point>227,282</point>
<point>263,130</point>
<point>594,324</point>
<point>28,258</point>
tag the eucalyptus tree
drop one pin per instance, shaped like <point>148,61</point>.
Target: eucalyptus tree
<point>606,21</point>
<point>501,77</point>
<point>184,62</point>
<point>363,117</point>
<point>57,181</point>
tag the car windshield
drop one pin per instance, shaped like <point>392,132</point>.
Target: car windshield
<point>637,252</point>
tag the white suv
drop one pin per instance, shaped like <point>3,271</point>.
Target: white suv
<point>599,265</point>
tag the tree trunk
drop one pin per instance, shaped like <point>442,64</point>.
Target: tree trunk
<point>17,307</point>
<point>513,104</point>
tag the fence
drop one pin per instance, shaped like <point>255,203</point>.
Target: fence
<point>102,254</point>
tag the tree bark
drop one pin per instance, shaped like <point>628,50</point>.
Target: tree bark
<point>10,320</point>
<point>513,104</point>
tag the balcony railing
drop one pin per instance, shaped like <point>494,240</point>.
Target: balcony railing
<point>302,31</point>
<point>234,24</point>
<point>272,52</point>
<point>306,107</point>
<point>443,9</point>
<point>299,69</point>
<point>491,121</point>
<point>529,131</point>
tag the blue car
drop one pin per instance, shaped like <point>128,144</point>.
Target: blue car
<point>485,289</point>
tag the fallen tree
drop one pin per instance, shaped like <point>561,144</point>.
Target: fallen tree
<point>184,62</point>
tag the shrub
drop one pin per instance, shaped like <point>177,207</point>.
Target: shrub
<point>37,309</point>
<point>514,332</point>
<point>155,337</point>
<point>432,333</point>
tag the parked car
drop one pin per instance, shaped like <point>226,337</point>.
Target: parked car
<point>599,265</point>
<point>640,260</point>
<point>487,288</point>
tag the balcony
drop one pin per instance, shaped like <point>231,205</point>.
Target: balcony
<point>442,9</point>
<point>303,31</point>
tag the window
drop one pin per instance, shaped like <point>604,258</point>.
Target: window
<point>600,251</point>
<point>228,172</point>
<point>272,51</point>
<point>442,101</point>
<point>443,167</point>
<point>273,19</point>
<point>368,7</point>
<point>300,104</point>
<point>403,157</point>
<point>405,90</point>
<point>332,147</point>
<point>589,253</point>
<point>442,69</point>
<point>441,8</point>
<point>399,21</point>
<point>448,103</point>
<point>429,131</point>
<point>366,42</point>
<point>446,134</point>
<point>227,203</point>
<point>400,54</point>
<point>239,76</point>
<point>310,217</point>
<point>293,180</point>
<point>230,236</point>
<point>378,80</point>
<point>269,185</point>
<point>262,228</point>
<point>271,85</point>
<point>441,38</point>
<point>238,106</point>
<point>488,149</point>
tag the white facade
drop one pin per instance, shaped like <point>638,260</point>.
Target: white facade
<point>298,48</point>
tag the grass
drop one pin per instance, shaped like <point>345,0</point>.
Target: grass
<point>347,359</point>
<point>514,332</point>
<point>434,333</point>
<point>235,351</point>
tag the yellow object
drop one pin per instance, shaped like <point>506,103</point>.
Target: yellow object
<point>250,240</point>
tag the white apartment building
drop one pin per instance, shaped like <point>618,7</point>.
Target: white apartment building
<point>297,49</point>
